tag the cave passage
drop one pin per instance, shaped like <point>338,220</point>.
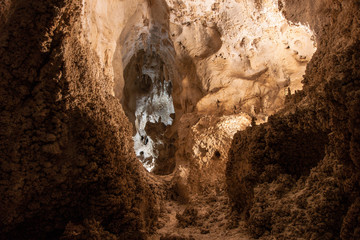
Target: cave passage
<point>148,104</point>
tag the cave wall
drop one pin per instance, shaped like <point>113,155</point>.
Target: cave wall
<point>316,135</point>
<point>245,54</point>
<point>236,60</point>
<point>104,21</point>
<point>68,168</point>
<point>219,61</point>
<point>67,163</point>
<point>4,7</point>
<point>127,37</point>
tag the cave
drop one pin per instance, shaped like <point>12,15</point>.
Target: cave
<point>179,119</point>
<point>148,104</point>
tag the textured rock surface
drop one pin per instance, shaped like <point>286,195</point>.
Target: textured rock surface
<point>277,174</point>
<point>222,57</point>
<point>75,75</point>
<point>66,152</point>
<point>245,54</point>
<point>205,145</point>
<point>234,58</point>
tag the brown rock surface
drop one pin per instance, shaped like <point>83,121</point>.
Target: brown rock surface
<point>301,180</point>
<point>67,162</point>
<point>79,78</point>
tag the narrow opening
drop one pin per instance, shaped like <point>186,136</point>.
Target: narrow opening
<point>148,103</point>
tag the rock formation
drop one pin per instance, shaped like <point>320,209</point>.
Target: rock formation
<point>298,174</point>
<point>243,114</point>
<point>67,162</point>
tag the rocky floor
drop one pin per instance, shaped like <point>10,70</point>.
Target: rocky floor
<point>205,216</point>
